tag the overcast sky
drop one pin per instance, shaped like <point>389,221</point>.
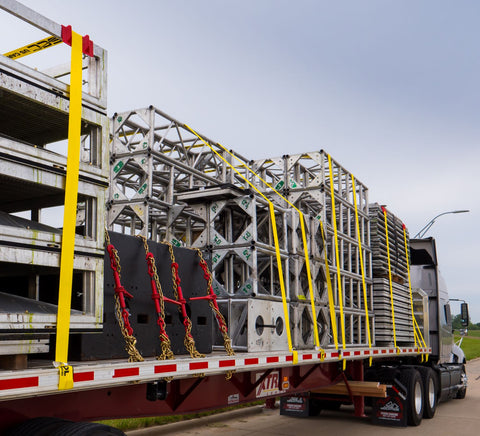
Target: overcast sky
<point>389,88</point>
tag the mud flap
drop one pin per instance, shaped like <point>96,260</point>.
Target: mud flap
<point>295,406</point>
<point>391,410</point>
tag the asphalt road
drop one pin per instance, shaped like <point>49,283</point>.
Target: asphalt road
<point>453,418</point>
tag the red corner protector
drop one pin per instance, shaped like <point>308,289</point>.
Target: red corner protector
<point>383,209</point>
<point>87,45</point>
<point>67,34</point>
<point>403,227</point>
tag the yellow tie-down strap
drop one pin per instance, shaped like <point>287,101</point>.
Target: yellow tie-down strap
<point>364,286</point>
<point>390,279</point>
<point>42,44</point>
<point>69,216</point>
<point>331,303</point>
<point>337,257</point>
<point>417,333</point>
<point>277,247</point>
<point>304,240</point>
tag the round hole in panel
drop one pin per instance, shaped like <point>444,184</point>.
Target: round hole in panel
<point>279,326</point>
<point>259,325</point>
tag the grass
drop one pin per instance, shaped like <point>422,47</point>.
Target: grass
<point>474,333</point>
<point>136,423</point>
<point>471,344</point>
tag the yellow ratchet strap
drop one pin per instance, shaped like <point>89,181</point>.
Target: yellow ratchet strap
<point>69,216</point>
<point>414,321</point>
<point>44,43</point>
<point>337,256</point>
<point>304,241</point>
<point>390,280</point>
<point>365,302</point>
<point>333,317</point>
<point>277,247</point>
<point>305,248</point>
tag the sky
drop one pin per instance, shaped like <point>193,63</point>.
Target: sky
<point>389,88</point>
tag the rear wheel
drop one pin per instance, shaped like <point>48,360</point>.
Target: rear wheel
<point>430,391</point>
<point>412,381</point>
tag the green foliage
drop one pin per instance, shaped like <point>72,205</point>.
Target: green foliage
<point>136,423</point>
<point>474,333</point>
<point>471,344</point>
<point>457,324</point>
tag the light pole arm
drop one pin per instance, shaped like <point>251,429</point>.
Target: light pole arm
<point>425,229</point>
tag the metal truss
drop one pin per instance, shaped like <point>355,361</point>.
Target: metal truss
<point>170,183</point>
<point>153,159</point>
<point>238,235</point>
<point>301,319</point>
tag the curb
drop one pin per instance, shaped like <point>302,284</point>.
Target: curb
<point>196,422</point>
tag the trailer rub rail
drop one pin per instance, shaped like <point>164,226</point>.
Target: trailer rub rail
<point>17,384</point>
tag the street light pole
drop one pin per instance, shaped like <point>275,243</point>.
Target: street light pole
<point>425,229</point>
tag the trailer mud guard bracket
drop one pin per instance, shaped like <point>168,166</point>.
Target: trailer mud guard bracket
<point>296,380</point>
<point>245,385</point>
<point>175,398</point>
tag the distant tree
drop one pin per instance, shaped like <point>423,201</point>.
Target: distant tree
<point>457,324</point>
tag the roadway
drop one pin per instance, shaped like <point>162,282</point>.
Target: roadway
<point>452,417</point>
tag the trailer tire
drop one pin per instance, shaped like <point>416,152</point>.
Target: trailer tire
<point>412,381</point>
<point>42,426</point>
<point>430,391</point>
<point>86,429</point>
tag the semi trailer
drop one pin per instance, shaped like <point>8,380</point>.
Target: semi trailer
<point>185,277</point>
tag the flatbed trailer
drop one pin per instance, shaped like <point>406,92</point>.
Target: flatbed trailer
<point>117,389</point>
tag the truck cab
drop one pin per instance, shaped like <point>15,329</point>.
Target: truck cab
<point>447,358</point>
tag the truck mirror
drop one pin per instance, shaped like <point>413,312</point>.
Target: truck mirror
<point>464,314</point>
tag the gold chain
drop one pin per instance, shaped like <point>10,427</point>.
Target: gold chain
<point>227,342</point>
<point>130,341</point>
<point>222,325</point>
<point>189,342</point>
<point>165,343</point>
